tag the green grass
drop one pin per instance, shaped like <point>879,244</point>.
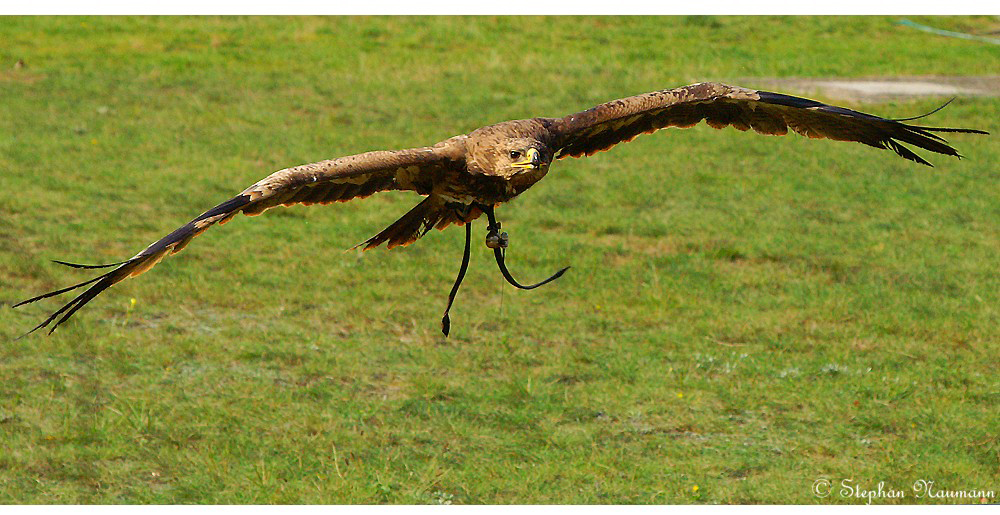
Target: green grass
<point>744,314</point>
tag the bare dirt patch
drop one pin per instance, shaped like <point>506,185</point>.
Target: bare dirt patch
<point>882,89</point>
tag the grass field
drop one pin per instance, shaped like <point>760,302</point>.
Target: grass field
<point>745,314</point>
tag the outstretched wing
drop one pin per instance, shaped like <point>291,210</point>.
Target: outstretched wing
<point>601,127</point>
<point>324,182</point>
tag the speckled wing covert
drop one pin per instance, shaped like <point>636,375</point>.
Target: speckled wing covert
<point>719,105</point>
<point>339,180</point>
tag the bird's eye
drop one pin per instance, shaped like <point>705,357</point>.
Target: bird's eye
<point>514,154</point>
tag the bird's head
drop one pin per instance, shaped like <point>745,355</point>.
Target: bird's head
<point>522,155</point>
<point>516,150</point>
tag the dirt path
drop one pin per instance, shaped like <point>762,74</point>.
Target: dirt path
<point>881,89</point>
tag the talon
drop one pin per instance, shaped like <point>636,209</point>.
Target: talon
<point>504,240</point>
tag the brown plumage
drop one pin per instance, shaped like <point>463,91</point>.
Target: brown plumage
<point>494,164</point>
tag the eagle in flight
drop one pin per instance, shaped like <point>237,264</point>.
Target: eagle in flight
<point>466,176</point>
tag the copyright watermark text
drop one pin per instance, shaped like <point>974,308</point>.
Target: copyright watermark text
<point>920,489</point>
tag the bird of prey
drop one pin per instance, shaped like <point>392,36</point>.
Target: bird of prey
<point>466,176</point>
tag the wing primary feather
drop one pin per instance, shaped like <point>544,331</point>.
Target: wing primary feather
<point>78,265</point>
<point>949,129</point>
<point>881,132</point>
<point>135,265</point>
<point>103,282</point>
<point>80,301</point>
<point>907,153</point>
<point>768,97</point>
<point>226,207</point>
<point>60,291</point>
<point>925,115</point>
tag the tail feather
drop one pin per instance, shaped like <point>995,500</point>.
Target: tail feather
<point>409,227</point>
<point>432,212</point>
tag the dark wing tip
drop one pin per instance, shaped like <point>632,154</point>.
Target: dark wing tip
<point>78,265</point>
<point>123,269</point>
<point>103,281</point>
<point>882,132</point>
<point>949,129</point>
<point>925,115</point>
<point>58,292</point>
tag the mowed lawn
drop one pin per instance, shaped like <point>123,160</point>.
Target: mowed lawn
<point>745,314</point>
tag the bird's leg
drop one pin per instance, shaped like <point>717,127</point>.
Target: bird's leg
<point>498,241</point>
<point>446,319</point>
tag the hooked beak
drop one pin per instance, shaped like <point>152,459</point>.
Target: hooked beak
<point>532,159</point>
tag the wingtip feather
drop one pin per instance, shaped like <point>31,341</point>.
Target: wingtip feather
<point>78,265</point>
